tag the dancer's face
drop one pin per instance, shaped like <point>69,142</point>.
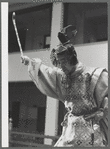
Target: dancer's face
<point>64,63</point>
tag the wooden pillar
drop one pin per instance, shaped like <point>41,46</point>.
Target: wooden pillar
<point>51,125</point>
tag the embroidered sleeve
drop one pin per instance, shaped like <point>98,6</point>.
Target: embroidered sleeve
<point>101,90</point>
<point>44,77</point>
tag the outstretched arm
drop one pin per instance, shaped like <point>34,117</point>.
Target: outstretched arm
<point>43,76</point>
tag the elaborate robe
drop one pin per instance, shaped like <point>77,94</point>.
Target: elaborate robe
<point>83,92</point>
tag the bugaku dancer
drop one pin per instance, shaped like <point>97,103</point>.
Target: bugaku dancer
<point>82,89</point>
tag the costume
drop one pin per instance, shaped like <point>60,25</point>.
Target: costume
<point>82,89</point>
<point>83,93</point>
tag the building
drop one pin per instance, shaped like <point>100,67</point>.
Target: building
<point>38,25</point>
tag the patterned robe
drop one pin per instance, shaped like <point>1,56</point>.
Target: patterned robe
<point>83,93</point>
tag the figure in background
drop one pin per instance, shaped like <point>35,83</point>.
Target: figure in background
<point>82,89</point>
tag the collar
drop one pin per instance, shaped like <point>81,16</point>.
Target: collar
<point>80,67</point>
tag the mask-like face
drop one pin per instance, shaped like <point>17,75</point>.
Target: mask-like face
<point>64,63</point>
<point>64,57</point>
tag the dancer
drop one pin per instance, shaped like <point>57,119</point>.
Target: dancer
<point>82,89</point>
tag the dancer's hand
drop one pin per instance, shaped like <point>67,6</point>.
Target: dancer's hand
<point>25,60</point>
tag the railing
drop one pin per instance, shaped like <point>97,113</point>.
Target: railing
<point>18,139</point>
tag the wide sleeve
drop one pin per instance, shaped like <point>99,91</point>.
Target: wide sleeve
<point>101,96</point>
<point>44,77</point>
<point>101,91</point>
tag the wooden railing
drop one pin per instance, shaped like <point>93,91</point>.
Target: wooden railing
<point>21,139</point>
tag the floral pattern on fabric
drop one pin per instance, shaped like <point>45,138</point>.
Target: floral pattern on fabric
<point>79,133</point>
<point>78,96</point>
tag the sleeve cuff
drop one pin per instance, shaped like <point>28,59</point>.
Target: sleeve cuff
<point>34,64</point>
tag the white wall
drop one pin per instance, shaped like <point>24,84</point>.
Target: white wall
<point>17,71</point>
<point>93,54</point>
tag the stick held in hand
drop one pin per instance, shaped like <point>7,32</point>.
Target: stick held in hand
<point>25,60</point>
<point>16,31</point>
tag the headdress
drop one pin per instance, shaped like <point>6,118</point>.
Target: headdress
<point>66,34</point>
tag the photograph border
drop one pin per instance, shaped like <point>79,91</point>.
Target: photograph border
<point>4,63</point>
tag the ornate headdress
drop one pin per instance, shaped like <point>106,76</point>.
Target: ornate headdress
<point>66,34</point>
